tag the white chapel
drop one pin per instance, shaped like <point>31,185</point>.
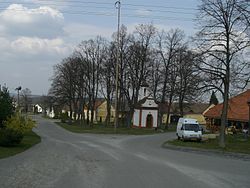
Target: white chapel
<point>146,110</point>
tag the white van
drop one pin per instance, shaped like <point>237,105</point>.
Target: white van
<point>188,129</point>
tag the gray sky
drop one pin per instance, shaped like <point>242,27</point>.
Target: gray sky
<point>37,34</point>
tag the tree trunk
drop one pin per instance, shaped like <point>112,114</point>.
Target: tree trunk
<point>92,116</point>
<point>226,92</point>
<point>223,119</point>
<point>160,115</point>
<point>107,120</point>
<point>130,116</point>
<point>181,108</point>
<point>168,114</point>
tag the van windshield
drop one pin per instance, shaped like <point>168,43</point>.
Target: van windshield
<point>191,127</point>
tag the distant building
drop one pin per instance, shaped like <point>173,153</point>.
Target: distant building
<point>238,111</point>
<point>190,110</point>
<point>87,112</point>
<point>50,113</point>
<point>101,112</point>
<point>37,108</point>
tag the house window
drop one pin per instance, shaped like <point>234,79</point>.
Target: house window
<point>145,91</point>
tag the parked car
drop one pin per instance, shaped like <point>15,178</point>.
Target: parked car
<point>188,129</point>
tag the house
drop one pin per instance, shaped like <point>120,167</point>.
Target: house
<point>87,112</point>
<point>37,108</point>
<point>238,111</point>
<point>195,111</point>
<point>146,110</point>
<point>50,113</point>
<point>101,112</point>
<point>190,110</point>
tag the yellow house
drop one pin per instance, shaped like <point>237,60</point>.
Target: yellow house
<point>194,111</point>
<point>101,112</point>
<point>199,117</point>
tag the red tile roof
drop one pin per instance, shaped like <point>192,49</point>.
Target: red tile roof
<point>193,108</point>
<point>238,109</point>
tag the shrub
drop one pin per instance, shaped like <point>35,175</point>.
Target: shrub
<point>9,137</point>
<point>64,117</point>
<point>19,123</point>
<point>14,129</point>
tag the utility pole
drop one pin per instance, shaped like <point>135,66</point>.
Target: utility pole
<point>18,101</point>
<point>118,7</point>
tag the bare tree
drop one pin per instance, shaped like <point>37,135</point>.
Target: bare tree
<point>47,103</point>
<point>222,39</point>
<point>26,99</point>
<point>168,45</point>
<point>138,65</point>
<point>64,84</point>
<point>108,79</point>
<point>93,54</point>
<point>124,46</point>
<point>188,78</point>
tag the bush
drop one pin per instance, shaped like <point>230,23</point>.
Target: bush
<point>19,123</point>
<point>64,117</point>
<point>14,129</point>
<point>9,137</point>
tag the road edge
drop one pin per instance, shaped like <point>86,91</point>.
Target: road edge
<point>238,156</point>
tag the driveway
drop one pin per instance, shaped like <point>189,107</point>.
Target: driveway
<point>65,159</point>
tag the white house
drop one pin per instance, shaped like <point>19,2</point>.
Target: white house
<point>37,108</point>
<point>146,110</point>
<point>50,113</point>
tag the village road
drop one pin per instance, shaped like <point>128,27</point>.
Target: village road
<point>65,159</point>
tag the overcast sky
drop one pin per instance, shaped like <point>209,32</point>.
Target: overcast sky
<point>37,34</point>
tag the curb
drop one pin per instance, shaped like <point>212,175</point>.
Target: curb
<point>238,156</point>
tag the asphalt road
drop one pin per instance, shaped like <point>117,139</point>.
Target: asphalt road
<point>65,159</point>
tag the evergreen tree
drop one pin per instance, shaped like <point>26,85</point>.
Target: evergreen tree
<point>213,99</point>
<point>6,105</point>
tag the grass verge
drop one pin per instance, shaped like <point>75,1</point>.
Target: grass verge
<point>234,143</point>
<point>30,139</point>
<point>98,129</point>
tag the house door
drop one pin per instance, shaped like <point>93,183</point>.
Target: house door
<point>149,122</point>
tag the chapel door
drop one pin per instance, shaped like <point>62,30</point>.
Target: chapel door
<point>149,122</point>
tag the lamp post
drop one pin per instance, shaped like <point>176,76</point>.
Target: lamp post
<point>18,89</point>
<point>248,102</point>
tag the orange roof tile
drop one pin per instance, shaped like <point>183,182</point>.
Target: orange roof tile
<point>238,108</point>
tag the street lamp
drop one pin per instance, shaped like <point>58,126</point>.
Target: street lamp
<point>248,102</point>
<point>18,89</point>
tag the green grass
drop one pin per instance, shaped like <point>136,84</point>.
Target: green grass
<point>234,143</point>
<point>100,129</point>
<point>28,141</point>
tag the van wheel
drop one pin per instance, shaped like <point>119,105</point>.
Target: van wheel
<point>178,137</point>
<point>183,139</point>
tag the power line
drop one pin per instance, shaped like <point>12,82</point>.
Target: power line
<point>159,6</point>
<point>124,9</point>
<point>113,15</point>
<point>71,1</point>
<point>149,7</point>
<point>154,10</point>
